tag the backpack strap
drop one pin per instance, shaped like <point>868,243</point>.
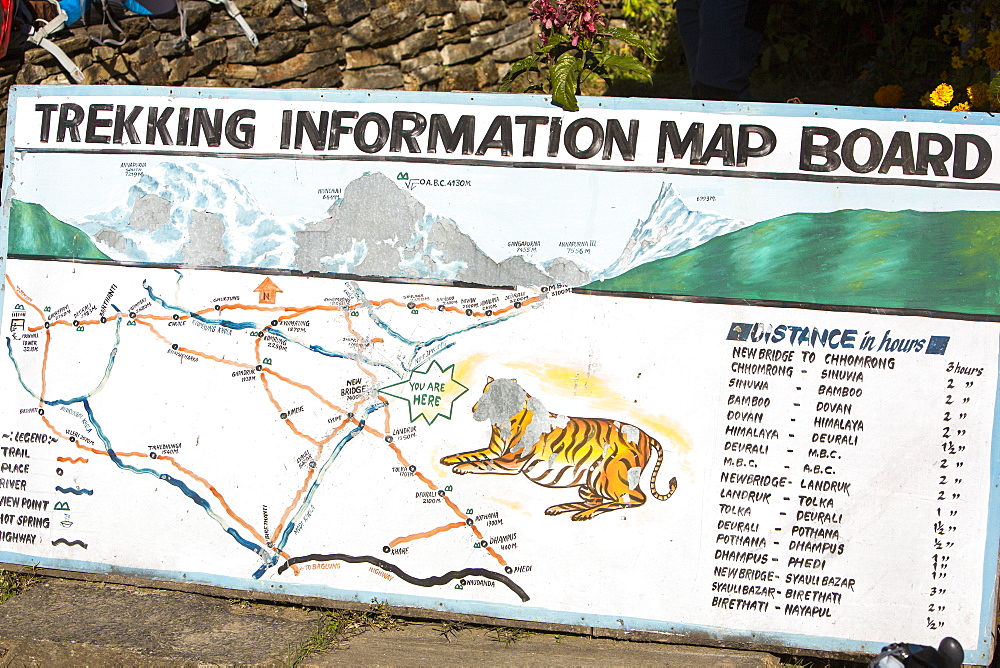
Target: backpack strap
<point>39,36</point>
<point>234,12</point>
<point>113,11</point>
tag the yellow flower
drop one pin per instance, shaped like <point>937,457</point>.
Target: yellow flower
<point>942,95</point>
<point>889,96</point>
<point>964,34</point>
<point>974,54</point>
<point>993,37</point>
<point>993,57</point>
<point>979,94</point>
<point>956,63</point>
<point>964,106</point>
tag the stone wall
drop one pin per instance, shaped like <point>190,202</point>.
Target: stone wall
<point>385,44</point>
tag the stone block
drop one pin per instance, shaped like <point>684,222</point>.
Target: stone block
<point>272,49</point>
<point>152,72</point>
<point>485,27</point>
<point>324,38</point>
<point>294,68</point>
<point>487,74</point>
<point>97,73</point>
<point>289,19</point>
<point>197,15</point>
<point>434,22</point>
<point>384,77</point>
<point>57,79</point>
<point>471,11</point>
<point>172,47</point>
<point>238,71</point>
<point>359,59</point>
<point>259,8</point>
<point>206,56</point>
<point>425,59</point>
<point>452,22</point>
<point>326,77</point>
<point>416,43</point>
<point>460,77</point>
<point>514,32</point>
<point>358,35</point>
<point>345,12</point>
<point>439,7</point>
<point>180,69</point>
<point>119,65</point>
<point>30,74</point>
<point>143,55</point>
<point>393,22</point>
<point>459,53</point>
<point>460,34</point>
<point>494,9</point>
<point>516,51</point>
<point>418,79</point>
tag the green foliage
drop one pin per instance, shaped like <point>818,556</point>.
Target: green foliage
<point>574,49</point>
<point>12,584</point>
<point>506,635</point>
<point>336,627</point>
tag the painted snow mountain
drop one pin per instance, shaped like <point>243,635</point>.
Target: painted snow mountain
<point>193,214</point>
<point>670,229</point>
<point>379,229</point>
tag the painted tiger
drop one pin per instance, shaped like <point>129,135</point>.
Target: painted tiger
<point>604,458</point>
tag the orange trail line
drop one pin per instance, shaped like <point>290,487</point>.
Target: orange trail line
<point>23,297</point>
<point>496,555</point>
<point>73,460</point>
<point>302,386</point>
<point>305,484</point>
<point>196,352</point>
<point>291,425</point>
<point>92,322</point>
<point>215,493</point>
<point>451,504</point>
<point>291,506</point>
<point>426,534</point>
<point>45,363</point>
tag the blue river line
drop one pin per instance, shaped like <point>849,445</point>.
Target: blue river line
<point>72,490</point>
<point>286,534</point>
<point>187,491</point>
<point>100,386</point>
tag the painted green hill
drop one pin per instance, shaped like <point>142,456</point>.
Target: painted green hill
<point>944,261</point>
<point>35,231</point>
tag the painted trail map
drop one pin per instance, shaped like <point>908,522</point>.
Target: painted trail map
<point>655,367</point>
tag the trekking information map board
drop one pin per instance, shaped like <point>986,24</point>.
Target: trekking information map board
<point>720,372</point>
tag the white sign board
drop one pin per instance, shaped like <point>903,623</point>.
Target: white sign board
<point>717,371</point>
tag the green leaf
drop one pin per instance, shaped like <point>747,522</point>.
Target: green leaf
<point>626,63</point>
<point>526,64</point>
<point>565,77</point>
<point>630,38</point>
<point>995,91</point>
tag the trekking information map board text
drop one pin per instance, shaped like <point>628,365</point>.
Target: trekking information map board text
<point>716,371</point>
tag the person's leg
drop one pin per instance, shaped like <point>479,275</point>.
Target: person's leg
<point>688,21</point>
<point>731,33</point>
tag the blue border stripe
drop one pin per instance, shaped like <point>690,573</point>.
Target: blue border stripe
<point>751,109</point>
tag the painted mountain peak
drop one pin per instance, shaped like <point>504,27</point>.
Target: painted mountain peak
<point>670,229</point>
<point>943,261</point>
